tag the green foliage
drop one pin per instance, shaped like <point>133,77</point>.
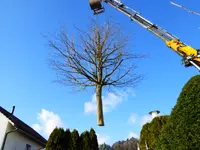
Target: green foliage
<point>182,131</point>
<point>67,140</point>
<point>75,140</point>
<point>93,140</point>
<point>105,147</point>
<point>55,141</point>
<point>144,136</point>
<point>155,130</point>
<point>85,141</point>
<point>151,131</point>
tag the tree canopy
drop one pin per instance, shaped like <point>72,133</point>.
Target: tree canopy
<point>99,58</point>
<point>150,132</point>
<point>93,140</point>
<point>182,131</point>
<point>56,140</point>
<point>75,140</point>
<point>66,140</point>
<point>85,141</point>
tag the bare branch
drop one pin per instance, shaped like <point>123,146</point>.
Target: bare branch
<point>100,58</point>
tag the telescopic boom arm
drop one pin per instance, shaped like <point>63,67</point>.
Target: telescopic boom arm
<point>190,56</point>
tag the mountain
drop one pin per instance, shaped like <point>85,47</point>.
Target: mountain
<point>129,144</point>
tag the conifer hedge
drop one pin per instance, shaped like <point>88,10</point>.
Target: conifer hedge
<point>151,131</point>
<point>182,131</point>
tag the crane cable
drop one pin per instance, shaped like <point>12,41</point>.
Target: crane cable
<point>180,6</point>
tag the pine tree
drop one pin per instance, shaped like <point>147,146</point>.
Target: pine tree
<point>67,140</point>
<point>55,140</point>
<point>93,140</point>
<point>75,140</point>
<point>85,141</point>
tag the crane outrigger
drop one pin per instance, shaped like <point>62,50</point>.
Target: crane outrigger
<point>190,56</point>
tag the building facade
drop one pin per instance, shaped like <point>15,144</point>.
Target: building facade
<point>16,135</point>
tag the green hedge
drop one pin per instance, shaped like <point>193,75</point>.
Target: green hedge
<point>182,131</point>
<point>151,131</point>
<point>66,140</point>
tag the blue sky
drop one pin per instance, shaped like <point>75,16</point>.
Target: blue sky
<point>26,79</point>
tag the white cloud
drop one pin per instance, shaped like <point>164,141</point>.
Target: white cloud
<point>36,127</point>
<point>102,138</point>
<point>132,119</point>
<point>145,119</point>
<point>132,134</point>
<point>131,92</point>
<point>90,106</point>
<point>110,101</point>
<point>47,122</point>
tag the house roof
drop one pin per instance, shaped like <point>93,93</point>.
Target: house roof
<point>23,126</point>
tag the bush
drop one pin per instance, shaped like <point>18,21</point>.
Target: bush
<point>182,131</point>
<point>155,130</point>
<point>151,131</point>
<point>144,136</point>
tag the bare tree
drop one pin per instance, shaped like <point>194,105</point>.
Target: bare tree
<point>100,58</point>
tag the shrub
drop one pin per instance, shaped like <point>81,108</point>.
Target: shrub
<point>182,131</point>
<point>151,131</point>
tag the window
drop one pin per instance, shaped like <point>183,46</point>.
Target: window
<point>28,147</point>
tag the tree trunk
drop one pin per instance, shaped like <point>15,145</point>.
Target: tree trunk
<point>100,119</point>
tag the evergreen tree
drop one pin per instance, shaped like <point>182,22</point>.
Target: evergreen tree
<point>182,131</point>
<point>67,140</point>
<point>105,147</point>
<point>55,140</point>
<point>155,129</point>
<point>75,140</point>
<point>93,140</point>
<point>85,141</point>
<point>151,131</point>
<point>144,136</point>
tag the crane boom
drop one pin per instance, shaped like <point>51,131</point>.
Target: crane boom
<point>190,55</point>
<point>135,16</point>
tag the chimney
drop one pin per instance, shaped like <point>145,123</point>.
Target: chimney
<point>154,113</point>
<point>13,110</point>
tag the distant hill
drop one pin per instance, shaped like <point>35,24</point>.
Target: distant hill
<point>129,144</point>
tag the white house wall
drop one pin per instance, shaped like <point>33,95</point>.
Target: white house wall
<point>3,126</point>
<point>18,141</point>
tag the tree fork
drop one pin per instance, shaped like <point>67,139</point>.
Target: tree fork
<point>100,118</point>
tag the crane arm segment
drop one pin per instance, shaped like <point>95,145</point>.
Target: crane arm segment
<point>190,55</point>
<point>135,16</point>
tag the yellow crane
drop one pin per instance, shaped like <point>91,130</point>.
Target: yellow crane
<point>190,56</point>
